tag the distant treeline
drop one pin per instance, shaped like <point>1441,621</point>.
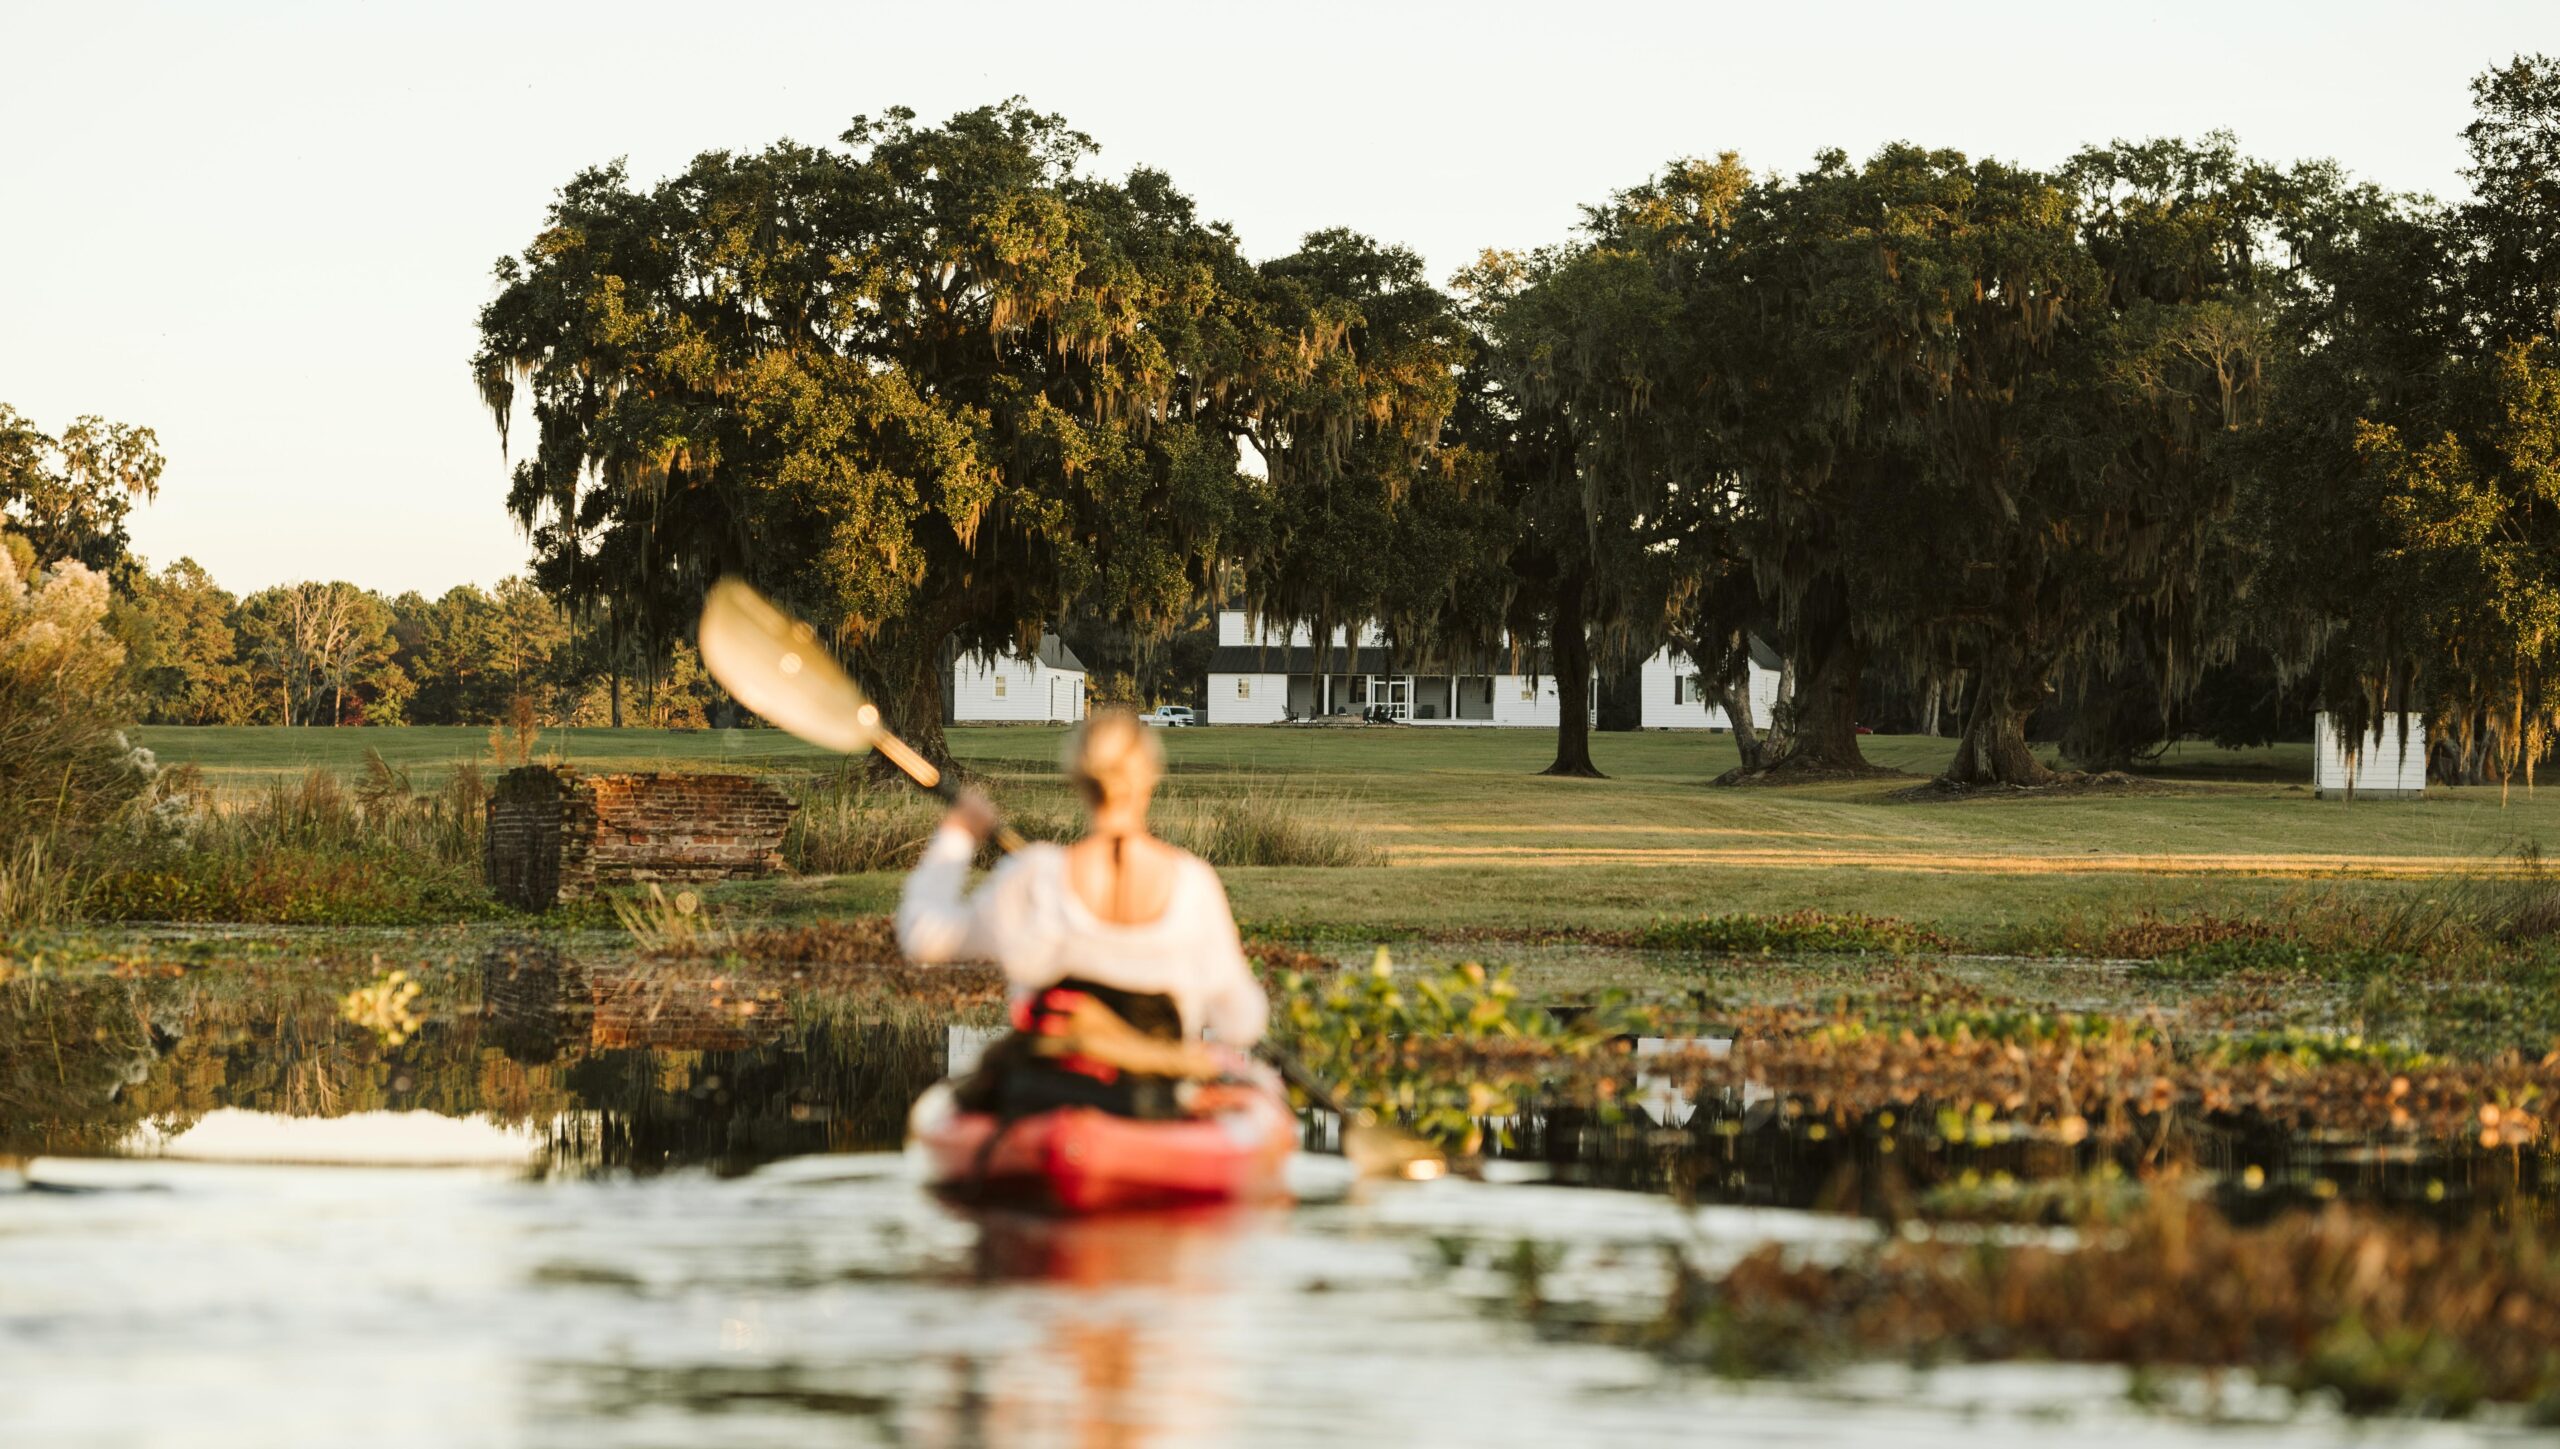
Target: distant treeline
<point>323,653</point>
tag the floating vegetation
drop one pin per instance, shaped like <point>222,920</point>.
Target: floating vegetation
<point>1794,933</point>
<point>1443,1052</point>
<point>2383,1313</point>
<point>2106,1194</point>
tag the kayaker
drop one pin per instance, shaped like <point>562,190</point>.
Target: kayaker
<point>1121,950</point>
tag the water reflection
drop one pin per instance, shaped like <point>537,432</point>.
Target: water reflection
<point>796,1285</point>
<point>613,1066</point>
<point>1747,1146</point>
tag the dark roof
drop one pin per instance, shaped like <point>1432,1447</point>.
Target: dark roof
<point>1302,659</point>
<point>1761,654</point>
<point>1055,653</point>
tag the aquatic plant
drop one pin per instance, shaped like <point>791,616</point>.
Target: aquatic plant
<point>2384,1314</point>
<point>1443,1052</point>
<point>1794,933</point>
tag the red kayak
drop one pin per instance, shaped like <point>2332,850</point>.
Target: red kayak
<point>1079,1160</point>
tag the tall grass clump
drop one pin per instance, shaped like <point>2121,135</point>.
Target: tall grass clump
<point>68,776</point>
<point>1268,827</point>
<point>312,850</point>
<point>847,825</point>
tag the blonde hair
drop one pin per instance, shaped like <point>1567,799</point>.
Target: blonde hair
<point>1111,758</point>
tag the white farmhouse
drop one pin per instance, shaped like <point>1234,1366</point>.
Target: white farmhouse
<point>1273,677</point>
<point>1046,687</point>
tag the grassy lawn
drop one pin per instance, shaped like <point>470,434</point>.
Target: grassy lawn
<point>1476,838</point>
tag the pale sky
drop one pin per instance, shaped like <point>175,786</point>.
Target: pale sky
<point>265,229</point>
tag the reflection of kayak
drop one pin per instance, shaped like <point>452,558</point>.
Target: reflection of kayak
<point>1080,1160</point>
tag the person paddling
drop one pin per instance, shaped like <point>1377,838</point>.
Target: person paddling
<point>1121,950</point>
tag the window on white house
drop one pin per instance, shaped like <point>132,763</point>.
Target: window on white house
<point>1679,690</point>
<point>999,686</point>
<point>1244,686</point>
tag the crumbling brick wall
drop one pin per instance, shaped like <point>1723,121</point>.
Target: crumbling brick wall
<point>556,835</point>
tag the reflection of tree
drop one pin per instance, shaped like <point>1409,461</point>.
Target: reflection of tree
<point>820,1088</point>
<point>727,1068</point>
<point>1725,1152</point>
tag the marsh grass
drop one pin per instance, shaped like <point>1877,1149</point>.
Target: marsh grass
<point>36,887</point>
<point>312,850</point>
<point>849,825</point>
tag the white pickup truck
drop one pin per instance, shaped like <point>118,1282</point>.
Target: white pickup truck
<point>1170,717</point>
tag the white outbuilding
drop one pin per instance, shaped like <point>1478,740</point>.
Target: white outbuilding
<point>1044,687</point>
<point>2390,764</point>
<point>1273,677</point>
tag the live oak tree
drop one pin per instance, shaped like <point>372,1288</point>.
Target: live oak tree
<point>1976,414</point>
<point>2405,501</point>
<point>2117,540</point>
<point>1794,363</point>
<point>69,496</point>
<point>1573,341</point>
<point>927,386</point>
<point>2475,518</point>
<point>1364,513</point>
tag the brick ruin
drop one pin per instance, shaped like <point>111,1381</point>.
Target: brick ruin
<point>556,835</point>
<point>540,1006</point>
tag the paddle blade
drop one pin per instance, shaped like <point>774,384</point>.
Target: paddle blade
<point>775,666</point>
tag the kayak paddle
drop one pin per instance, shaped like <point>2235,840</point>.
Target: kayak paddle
<point>774,665</point>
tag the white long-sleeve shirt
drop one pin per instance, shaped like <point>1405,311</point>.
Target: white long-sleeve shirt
<point>1028,920</point>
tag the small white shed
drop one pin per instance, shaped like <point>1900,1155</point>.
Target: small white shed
<point>1045,687</point>
<point>2391,764</point>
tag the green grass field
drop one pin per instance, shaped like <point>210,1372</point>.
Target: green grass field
<point>1477,838</point>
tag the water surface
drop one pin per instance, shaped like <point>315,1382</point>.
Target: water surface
<point>577,1205</point>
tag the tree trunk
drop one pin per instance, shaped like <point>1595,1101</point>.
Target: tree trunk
<point>1570,653</point>
<point>613,693</point>
<point>1929,706</point>
<point>1823,718</point>
<point>1732,694</point>
<point>1994,748</point>
<point>906,674</point>
<point>1736,705</point>
<point>914,710</point>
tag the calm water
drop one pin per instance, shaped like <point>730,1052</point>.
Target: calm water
<point>570,1207</point>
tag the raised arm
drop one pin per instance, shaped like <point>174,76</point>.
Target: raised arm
<point>936,922</point>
